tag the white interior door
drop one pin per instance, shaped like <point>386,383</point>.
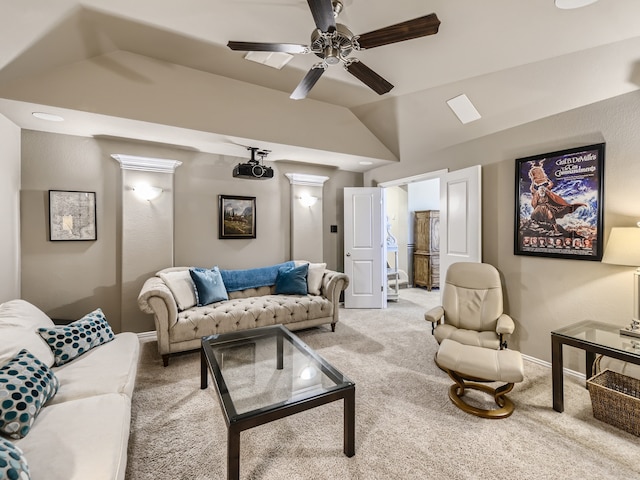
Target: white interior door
<point>364,244</point>
<point>460,218</point>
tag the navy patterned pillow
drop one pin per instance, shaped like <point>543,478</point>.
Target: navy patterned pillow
<point>13,465</point>
<point>26,384</point>
<point>70,341</point>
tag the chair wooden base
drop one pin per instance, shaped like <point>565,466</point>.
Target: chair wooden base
<point>456,392</point>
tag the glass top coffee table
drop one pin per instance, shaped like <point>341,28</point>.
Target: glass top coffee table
<point>592,337</point>
<point>268,373</point>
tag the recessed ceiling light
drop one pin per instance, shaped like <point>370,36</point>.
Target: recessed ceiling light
<point>463,108</point>
<point>48,116</point>
<point>365,162</point>
<point>275,60</point>
<point>571,4</point>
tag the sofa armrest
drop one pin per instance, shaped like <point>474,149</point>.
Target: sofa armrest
<point>155,287</point>
<point>332,284</point>
<point>155,298</point>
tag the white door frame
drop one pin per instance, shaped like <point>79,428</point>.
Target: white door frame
<point>415,178</point>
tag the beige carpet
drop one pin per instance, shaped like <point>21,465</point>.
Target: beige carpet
<point>406,427</point>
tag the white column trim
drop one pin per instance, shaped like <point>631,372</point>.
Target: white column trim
<point>146,164</point>
<point>306,179</point>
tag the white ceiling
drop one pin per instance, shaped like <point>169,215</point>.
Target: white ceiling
<point>517,61</point>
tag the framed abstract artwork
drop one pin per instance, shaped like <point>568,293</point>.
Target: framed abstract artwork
<point>72,216</point>
<point>237,217</point>
<point>559,204</point>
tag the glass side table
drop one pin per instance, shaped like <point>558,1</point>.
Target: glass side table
<point>594,338</point>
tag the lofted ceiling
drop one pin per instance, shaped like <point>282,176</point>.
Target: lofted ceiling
<point>159,71</point>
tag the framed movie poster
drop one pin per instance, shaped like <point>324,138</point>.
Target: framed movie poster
<point>72,216</point>
<point>559,211</point>
<point>237,217</point>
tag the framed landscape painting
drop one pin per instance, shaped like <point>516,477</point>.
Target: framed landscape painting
<point>72,216</point>
<point>559,211</point>
<point>237,217</point>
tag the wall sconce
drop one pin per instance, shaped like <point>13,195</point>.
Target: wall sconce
<point>308,200</point>
<point>146,192</point>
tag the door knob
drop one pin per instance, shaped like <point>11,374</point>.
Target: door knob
<point>348,254</point>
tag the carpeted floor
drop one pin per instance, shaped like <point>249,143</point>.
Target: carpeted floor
<point>406,426</point>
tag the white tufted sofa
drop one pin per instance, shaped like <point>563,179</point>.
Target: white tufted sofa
<point>179,331</point>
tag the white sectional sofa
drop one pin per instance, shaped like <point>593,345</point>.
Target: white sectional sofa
<point>181,323</point>
<point>82,432</point>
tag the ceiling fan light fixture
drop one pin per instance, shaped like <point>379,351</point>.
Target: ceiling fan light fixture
<point>331,55</point>
<point>571,4</point>
<point>333,42</point>
<point>275,60</point>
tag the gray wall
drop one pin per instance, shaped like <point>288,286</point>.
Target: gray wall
<point>69,279</point>
<point>9,210</point>
<point>543,294</point>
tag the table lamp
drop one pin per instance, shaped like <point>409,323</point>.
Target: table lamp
<point>623,248</point>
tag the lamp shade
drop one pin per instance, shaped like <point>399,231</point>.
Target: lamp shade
<point>623,247</point>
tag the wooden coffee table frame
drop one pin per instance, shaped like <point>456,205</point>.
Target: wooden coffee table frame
<point>236,423</point>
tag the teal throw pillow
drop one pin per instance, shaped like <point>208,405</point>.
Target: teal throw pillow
<point>26,384</point>
<point>13,465</point>
<point>70,341</point>
<point>292,281</point>
<point>209,285</point>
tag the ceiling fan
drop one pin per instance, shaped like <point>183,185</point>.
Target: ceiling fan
<point>333,43</point>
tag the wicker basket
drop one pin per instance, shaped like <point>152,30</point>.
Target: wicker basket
<point>615,399</point>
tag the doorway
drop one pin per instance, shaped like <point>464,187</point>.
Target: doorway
<point>459,227</point>
<point>402,201</point>
<point>404,197</point>
<point>460,215</point>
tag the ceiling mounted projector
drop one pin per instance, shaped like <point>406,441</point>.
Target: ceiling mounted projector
<point>254,169</point>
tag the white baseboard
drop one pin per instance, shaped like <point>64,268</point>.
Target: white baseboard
<point>544,363</point>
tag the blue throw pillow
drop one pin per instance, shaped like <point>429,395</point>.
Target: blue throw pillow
<point>13,465</point>
<point>70,341</point>
<point>292,281</point>
<point>26,384</point>
<point>209,285</point>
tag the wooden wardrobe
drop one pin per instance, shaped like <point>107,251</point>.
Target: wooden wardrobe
<point>426,257</point>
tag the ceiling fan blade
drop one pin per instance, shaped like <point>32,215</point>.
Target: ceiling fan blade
<point>416,28</point>
<point>267,47</point>
<point>322,12</point>
<point>307,83</point>
<point>367,76</point>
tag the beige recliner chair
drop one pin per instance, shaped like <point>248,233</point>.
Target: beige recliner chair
<point>471,311</point>
<point>470,327</point>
